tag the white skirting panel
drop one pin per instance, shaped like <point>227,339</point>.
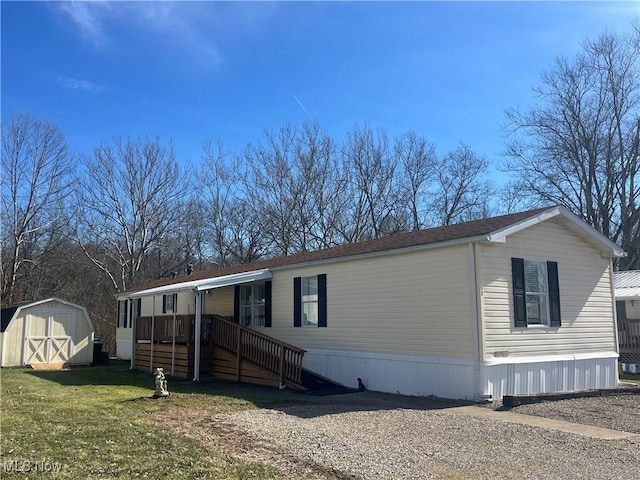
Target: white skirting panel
<point>550,374</point>
<point>123,349</point>
<point>407,375</point>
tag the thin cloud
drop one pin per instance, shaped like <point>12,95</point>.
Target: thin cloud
<point>89,18</point>
<point>77,84</point>
<point>184,23</point>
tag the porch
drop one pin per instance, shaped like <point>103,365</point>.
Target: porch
<point>629,340</point>
<point>227,351</point>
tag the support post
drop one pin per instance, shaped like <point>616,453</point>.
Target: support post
<point>173,343</point>
<point>238,351</point>
<point>198,334</point>
<point>134,341</point>
<point>153,323</point>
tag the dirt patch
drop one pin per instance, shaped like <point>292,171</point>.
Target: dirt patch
<point>206,426</point>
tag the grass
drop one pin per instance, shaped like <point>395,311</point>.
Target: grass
<point>630,378</point>
<point>94,422</point>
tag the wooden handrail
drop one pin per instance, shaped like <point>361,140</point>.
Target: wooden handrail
<point>629,334</point>
<point>163,329</point>
<point>247,344</point>
<point>269,353</point>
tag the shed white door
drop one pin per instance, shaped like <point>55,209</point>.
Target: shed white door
<point>48,337</point>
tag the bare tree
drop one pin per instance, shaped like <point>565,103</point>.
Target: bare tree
<point>233,235</point>
<point>373,184</point>
<point>129,202</point>
<point>36,173</point>
<point>463,190</point>
<point>418,161</point>
<point>578,146</point>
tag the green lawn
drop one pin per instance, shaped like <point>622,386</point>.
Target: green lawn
<point>93,421</point>
<point>630,378</point>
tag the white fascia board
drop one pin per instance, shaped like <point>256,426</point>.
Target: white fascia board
<point>500,236</point>
<point>237,278</point>
<point>205,284</point>
<point>612,250</point>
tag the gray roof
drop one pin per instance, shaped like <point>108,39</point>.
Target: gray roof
<point>493,229</point>
<point>627,284</point>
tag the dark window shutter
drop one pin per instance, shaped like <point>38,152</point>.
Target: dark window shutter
<point>139,311</point>
<point>621,309</point>
<point>267,303</point>
<point>127,313</point>
<point>236,303</point>
<point>297,302</point>
<point>519,295</point>
<point>322,300</point>
<point>164,304</point>
<point>118,323</point>
<point>175,302</point>
<point>554,293</point>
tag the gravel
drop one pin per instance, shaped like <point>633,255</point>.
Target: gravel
<point>360,436</point>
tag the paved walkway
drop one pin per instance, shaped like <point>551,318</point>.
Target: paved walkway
<point>506,416</point>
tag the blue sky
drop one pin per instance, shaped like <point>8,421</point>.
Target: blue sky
<point>191,71</point>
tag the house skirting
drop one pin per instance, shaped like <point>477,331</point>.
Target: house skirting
<point>549,374</point>
<point>407,375</point>
<point>457,378</point>
<point>123,349</point>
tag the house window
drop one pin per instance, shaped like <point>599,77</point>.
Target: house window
<point>169,303</point>
<point>310,301</point>
<point>122,313</point>
<point>536,293</point>
<point>253,304</point>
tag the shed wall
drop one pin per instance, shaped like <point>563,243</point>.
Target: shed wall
<point>82,335</point>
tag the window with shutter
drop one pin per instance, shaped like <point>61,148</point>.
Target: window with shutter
<point>310,301</point>
<point>252,304</point>
<point>536,293</point>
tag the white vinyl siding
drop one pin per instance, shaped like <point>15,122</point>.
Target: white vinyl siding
<point>415,303</point>
<point>585,295</point>
<point>219,301</point>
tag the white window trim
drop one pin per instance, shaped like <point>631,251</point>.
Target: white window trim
<point>303,323</point>
<point>539,294</point>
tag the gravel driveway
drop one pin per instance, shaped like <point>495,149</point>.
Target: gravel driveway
<point>376,436</point>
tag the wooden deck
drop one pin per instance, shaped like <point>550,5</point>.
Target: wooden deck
<point>228,351</point>
<point>629,340</point>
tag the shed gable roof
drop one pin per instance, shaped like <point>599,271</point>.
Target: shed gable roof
<point>8,313</point>
<point>494,229</point>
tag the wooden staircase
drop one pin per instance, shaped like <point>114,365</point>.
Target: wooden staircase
<point>246,355</point>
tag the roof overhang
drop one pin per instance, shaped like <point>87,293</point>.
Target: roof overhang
<point>207,283</point>
<point>607,247</point>
<point>627,293</point>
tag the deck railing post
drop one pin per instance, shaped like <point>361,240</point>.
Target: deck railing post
<point>238,352</point>
<point>281,367</point>
<point>198,332</point>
